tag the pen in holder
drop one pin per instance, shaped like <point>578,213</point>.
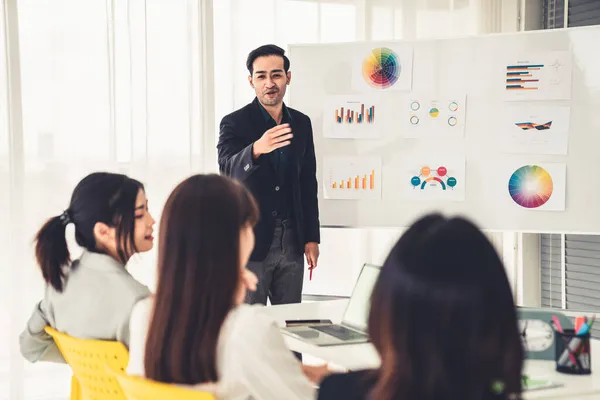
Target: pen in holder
<point>573,352</point>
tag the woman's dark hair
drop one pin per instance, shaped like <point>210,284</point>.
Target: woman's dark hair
<point>443,318</point>
<point>198,275</point>
<point>99,197</point>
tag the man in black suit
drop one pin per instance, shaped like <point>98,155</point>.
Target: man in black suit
<point>269,147</point>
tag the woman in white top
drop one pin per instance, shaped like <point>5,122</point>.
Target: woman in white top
<point>196,329</point>
<point>91,297</point>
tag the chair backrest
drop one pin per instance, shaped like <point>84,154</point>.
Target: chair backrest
<point>88,360</point>
<point>137,388</point>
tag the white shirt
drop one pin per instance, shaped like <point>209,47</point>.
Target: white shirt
<point>253,361</point>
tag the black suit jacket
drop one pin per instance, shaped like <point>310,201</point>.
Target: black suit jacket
<point>239,130</point>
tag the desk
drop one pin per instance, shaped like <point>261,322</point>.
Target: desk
<point>360,356</point>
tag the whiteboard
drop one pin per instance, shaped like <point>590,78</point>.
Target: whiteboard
<point>475,67</point>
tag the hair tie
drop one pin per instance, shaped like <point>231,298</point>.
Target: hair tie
<point>65,218</point>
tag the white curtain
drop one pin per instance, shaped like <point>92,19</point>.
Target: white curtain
<point>139,87</point>
<point>105,85</point>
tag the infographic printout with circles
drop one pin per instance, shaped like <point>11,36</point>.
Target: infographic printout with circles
<point>539,186</point>
<point>383,67</point>
<point>440,177</point>
<point>538,76</point>
<point>352,178</point>
<point>353,117</point>
<point>427,117</point>
<point>534,128</point>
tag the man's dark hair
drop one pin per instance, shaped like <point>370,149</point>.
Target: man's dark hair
<point>267,50</point>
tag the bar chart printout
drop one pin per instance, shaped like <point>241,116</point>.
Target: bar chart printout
<point>539,76</point>
<point>352,178</point>
<point>353,117</point>
<point>523,77</point>
<point>346,115</point>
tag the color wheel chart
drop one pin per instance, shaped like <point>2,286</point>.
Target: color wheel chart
<point>523,77</point>
<point>530,186</point>
<point>433,178</point>
<point>347,116</point>
<point>381,69</point>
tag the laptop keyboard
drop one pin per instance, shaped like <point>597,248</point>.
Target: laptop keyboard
<point>339,332</point>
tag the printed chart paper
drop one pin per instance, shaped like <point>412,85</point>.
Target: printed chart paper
<point>352,178</point>
<point>539,76</point>
<point>540,186</point>
<point>439,178</point>
<point>429,117</point>
<point>383,67</point>
<point>352,117</point>
<point>535,129</point>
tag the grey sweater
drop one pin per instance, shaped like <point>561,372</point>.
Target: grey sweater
<point>95,303</point>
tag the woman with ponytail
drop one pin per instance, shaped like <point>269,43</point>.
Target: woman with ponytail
<point>92,296</point>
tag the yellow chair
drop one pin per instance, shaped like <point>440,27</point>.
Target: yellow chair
<point>137,388</point>
<point>88,360</point>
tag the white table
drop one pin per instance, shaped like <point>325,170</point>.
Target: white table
<point>360,356</point>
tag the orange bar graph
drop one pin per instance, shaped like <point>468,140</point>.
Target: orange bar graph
<point>364,182</point>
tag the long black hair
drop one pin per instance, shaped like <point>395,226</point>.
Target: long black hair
<point>99,197</point>
<point>198,275</point>
<point>443,318</point>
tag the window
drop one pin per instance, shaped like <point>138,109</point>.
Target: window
<point>338,22</point>
<point>580,13</point>
<point>578,287</point>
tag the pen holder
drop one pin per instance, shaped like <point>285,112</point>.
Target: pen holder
<point>573,353</point>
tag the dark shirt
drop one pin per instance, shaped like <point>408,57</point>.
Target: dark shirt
<point>351,386</point>
<point>280,160</point>
<point>357,385</point>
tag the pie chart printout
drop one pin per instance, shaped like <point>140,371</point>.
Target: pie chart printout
<point>530,186</point>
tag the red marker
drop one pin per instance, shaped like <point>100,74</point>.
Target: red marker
<point>310,277</point>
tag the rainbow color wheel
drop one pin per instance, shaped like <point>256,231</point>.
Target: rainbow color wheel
<point>381,69</point>
<point>530,186</point>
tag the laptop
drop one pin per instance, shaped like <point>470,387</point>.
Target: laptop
<point>353,328</point>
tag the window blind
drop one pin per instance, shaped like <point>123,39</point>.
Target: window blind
<point>582,274</point>
<point>582,270</point>
<point>583,13</point>
<point>580,13</point>
<point>551,279</point>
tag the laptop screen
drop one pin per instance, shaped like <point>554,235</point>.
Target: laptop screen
<point>357,312</point>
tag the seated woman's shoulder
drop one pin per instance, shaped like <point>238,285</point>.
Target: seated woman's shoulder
<point>252,319</point>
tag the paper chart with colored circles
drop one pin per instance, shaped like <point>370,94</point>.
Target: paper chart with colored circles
<point>383,67</point>
<point>429,117</point>
<point>441,177</point>
<point>536,186</point>
<point>353,117</point>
